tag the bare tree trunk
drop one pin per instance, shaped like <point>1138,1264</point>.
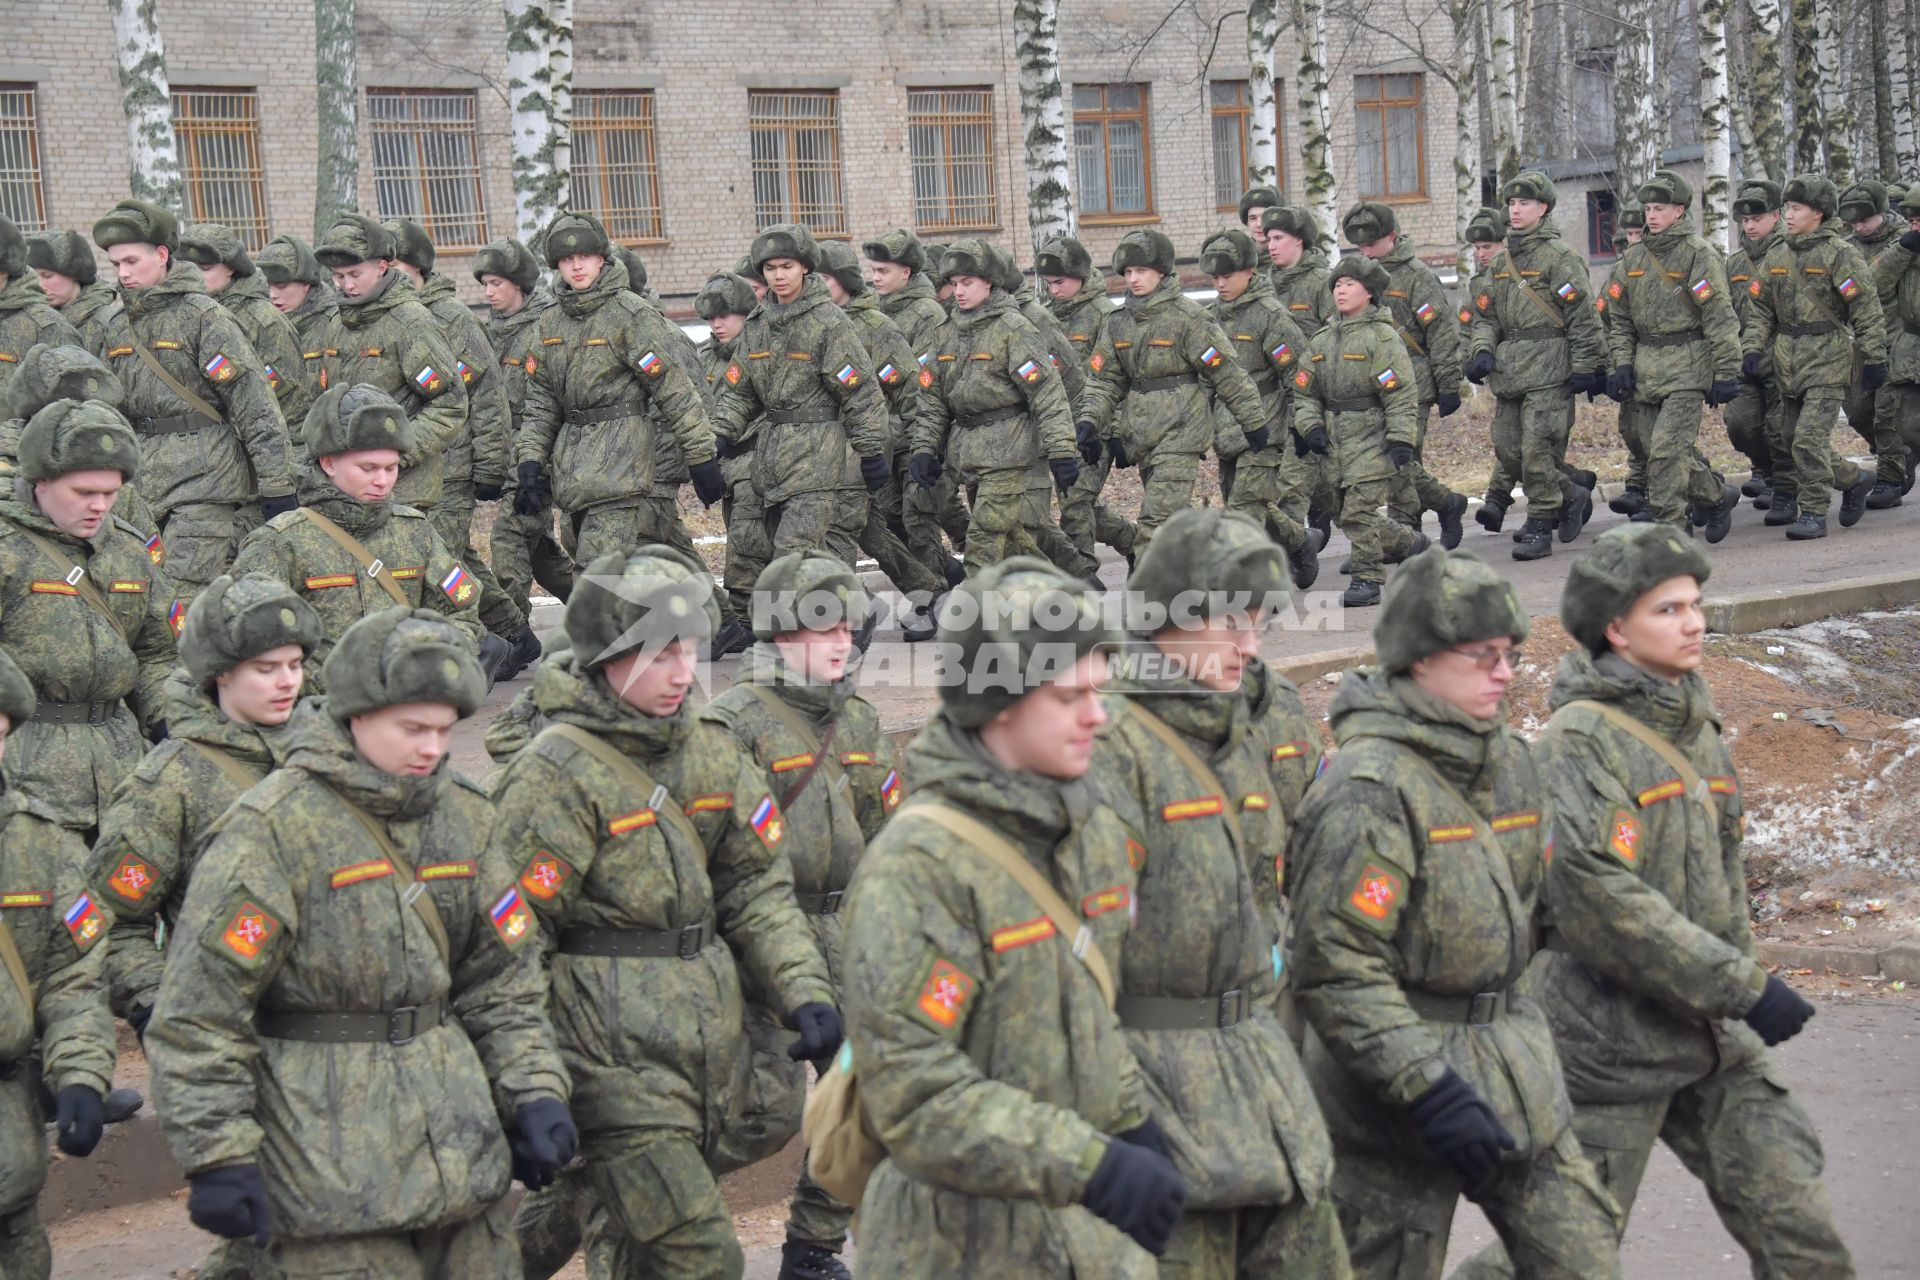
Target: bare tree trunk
<point>1716,108</point>
<point>560,75</point>
<point>1806,90</point>
<point>1263,129</point>
<point>1316,115</point>
<point>153,160</point>
<point>537,193</point>
<point>1636,138</point>
<point>1766,92</point>
<point>1828,34</point>
<point>1886,152</point>
<point>1503,83</point>
<point>1465,15</point>
<point>1043,117</point>
<point>1902,89</point>
<point>336,174</point>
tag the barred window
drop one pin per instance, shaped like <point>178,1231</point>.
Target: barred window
<point>218,135</point>
<point>23,198</point>
<point>616,166</point>
<point>1110,146</point>
<point>426,163</point>
<point>1391,137</point>
<point>950,135</point>
<point>1232,113</point>
<point>795,140</point>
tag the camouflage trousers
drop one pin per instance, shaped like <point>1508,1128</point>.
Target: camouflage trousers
<point>1530,441</point>
<point>1753,424</point>
<point>24,1249</point>
<point>1875,415</point>
<point>1166,487</point>
<point>481,1248</point>
<point>200,540</point>
<point>622,526</point>
<point>887,545</point>
<point>1752,1147</point>
<point>236,1260</point>
<point>1807,422</point>
<point>748,549</point>
<point>1271,489</point>
<point>524,551</point>
<point>552,1223</point>
<point>829,520</point>
<point>1413,489</point>
<point>1000,525</point>
<point>928,513</point>
<point>1260,1242</point>
<point>1323,495</point>
<point>1678,476</point>
<point>1636,422</point>
<point>665,1218</point>
<point>1086,520</point>
<point>1375,538</point>
<point>452,519</point>
<point>1052,540</point>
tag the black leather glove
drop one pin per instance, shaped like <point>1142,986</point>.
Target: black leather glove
<point>486,492</point>
<point>874,470</point>
<point>78,1117</point>
<point>534,496</point>
<point>1400,454</point>
<point>1750,366</point>
<point>1462,1129</point>
<point>1448,402</point>
<point>1586,383</point>
<point>1873,376</point>
<point>708,484</point>
<point>139,1019</point>
<point>1065,472</point>
<point>1256,439</point>
<point>1723,392</point>
<point>1299,444</point>
<point>1910,240</point>
<point>158,733</point>
<point>1087,437</point>
<point>1150,1135</point>
<point>820,1032</point>
<point>231,1201</point>
<point>278,504</point>
<point>924,470</point>
<point>1118,452</point>
<point>726,446</point>
<point>1139,1191</point>
<point>1317,441</point>
<point>1620,382</point>
<point>1779,1013</point>
<point>1479,367</point>
<point>543,1141</point>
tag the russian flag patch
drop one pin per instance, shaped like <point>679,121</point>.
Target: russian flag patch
<point>1282,354</point>
<point>889,375</point>
<point>1030,371</point>
<point>510,918</point>
<point>458,585</point>
<point>85,922</point>
<point>460,367</point>
<point>1210,357</point>
<point>220,369</point>
<point>428,379</point>
<point>1566,292</point>
<point>1848,287</point>
<point>1424,313</point>
<point>848,376</point>
<point>650,365</point>
<point>766,822</point>
<point>155,551</point>
<point>177,617</point>
<point>1701,290</point>
<point>1388,380</point>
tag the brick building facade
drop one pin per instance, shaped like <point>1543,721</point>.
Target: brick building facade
<point>696,122</point>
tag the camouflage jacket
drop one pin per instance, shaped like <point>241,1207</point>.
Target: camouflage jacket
<point>916,307</point>
<point>192,336</point>
<point>513,339</point>
<point>1743,266</point>
<point>483,451</point>
<point>1420,854</point>
<point>1164,359</point>
<point>1053,335</point>
<point>669,464</point>
<point>1814,304</point>
<point>1534,312</point>
<point>156,825</point>
<point>982,363</point>
<point>1307,290</point>
<point>27,319</point>
<point>1416,303</point>
<point>715,356</point>
<point>1653,963</point>
<point>640,1036</point>
<point>1267,344</point>
<point>1669,316</point>
<point>1084,318</point>
<point>275,341</point>
<point>293,549</point>
<point>892,358</point>
<point>803,360</point>
<point>72,654</point>
<point>91,315</point>
<point>1354,384</point>
<point>294,908</point>
<point>600,364</point>
<point>988,1061</point>
<point>1897,273</point>
<point>313,320</point>
<point>387,339</point>
<point>1876,246</point>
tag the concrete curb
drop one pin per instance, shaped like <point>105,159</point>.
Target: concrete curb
<point>1899,962</point>
<point>1746,612</point>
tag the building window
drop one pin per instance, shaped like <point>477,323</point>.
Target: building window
<point>426,163</point>
<point>1391,137</point>
<point>1232,114</point>
<point>1600,225</point>
<point>1110,151</point>
<point>616,169</point>
<point>796,160</point>
<point>22,197</point>
<point>218,135</point>
<point>950,135</point>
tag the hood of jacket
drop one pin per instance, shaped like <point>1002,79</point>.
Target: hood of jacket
<point>997,304</point>
<point>182,277</point>
<point>1675,710</point>
<point>1035,811</point>
<point>1162,294</point>
<point>568,693</point>
<point>813,294</point>
<point>764,665</point>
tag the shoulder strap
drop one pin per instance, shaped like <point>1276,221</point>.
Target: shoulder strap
<point>998,850</point>
<point>1513,270</point>
<point>158,370</point>
<point>1689,776</point>
<point>376,569</point>
<point>17,968</point>
<point>416,893</point>
<point>1666,277</point>
<point>235,772</point>
<point>1202,772</point>
<point>659,799</point>
<point>76,578</point>
<point>822,757</point>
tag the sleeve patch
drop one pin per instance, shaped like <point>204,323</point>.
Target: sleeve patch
<point>1449,835</point>
<point>1098,362</point>
<point>942,1002</point>
<point>1613,290</point>
<point>856,757</point>
<point>123,587</point>
<point>1567,293</point>
<point>378,869</point>
<point>131,880</point>
<point>1662,791</point>
<point>1388,380</point>
<point>26,898</point>
<point>1258,800</point>
<point>733,373</point>
<point>1723,786</point>
<point>786,764</point>
<point>891,790</point>
<point>545,875</point>
<point>428,380</point>
<point>847,376</point>
<point>85,922</point>
<point>632,822</point>
<point>889,375</point>
<point>1516,821</point>
<point>1424,313</point>
<point>1289,751</point>
<point>711,802</point>
<point>1376,898</point>
<point>767,823</point>
<point>1029,372</point>
<point>511,918</point>
<point>1098,904</point>
<point>446,871</point>
<point>1202,807</point>
<point>1700,290</point>
<point>1136,853</point>
<point>1281,354</point>
<point>1301,379</point>
<point>1623,837</point>
<point>248,935</point>
<point>1211,357</point>
<point>218,369</point>
<point>1024,934</point>
<point>177,617</point>
<point>926,377</point>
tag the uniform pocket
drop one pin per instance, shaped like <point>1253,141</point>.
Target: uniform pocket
<point>658,1187</point>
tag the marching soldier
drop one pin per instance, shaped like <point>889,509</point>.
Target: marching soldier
<point>725,302</point>
<point>1897,274</point>
<point>1870,209</point>
<point>301,290</point>
<point>1635,423</point>
<point>658,511</point>
<point>69,276</point>
<point>1753,418</point>
<point>234,282</point>
<point>47,374</point>
<point>27,319</point>
<point>1300,280</point>
<point>1077,297</point>
<point>1485,233</point>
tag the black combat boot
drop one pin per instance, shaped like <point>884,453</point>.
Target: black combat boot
<point>1451,517</point>
<point>804,1260</point>
<point>1807,527</point>
<point>1575,513</point>
<point>1628,502</point>
<point>1719,520</point>
<point>1536,539</point>
<point>1360,595</point>
<point>1491,515</point>
<point>1853,504</point>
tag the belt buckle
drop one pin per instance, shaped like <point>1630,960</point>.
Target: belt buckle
<point>1482,1008</point>
<point>98,713</point>
<point>830,901</point>
<point>1232,1008</point>
<point>394,1033</point>
<point>691,941</point>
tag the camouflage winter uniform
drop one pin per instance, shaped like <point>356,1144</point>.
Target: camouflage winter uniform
<point>1897,274</point>
<point>1306,291</point>
<point>523,547</point>
<point>1753,420</point>
<point>1054,544</point>
<point>1083,517</point>
<point>1269,484</point>
<point>1877,421</point>
<point>1416,304</point>
<point>273,339</point>
<point>28,319</point>
<point>917,309</point>
<point>749,549</point>
<point>91,315</point>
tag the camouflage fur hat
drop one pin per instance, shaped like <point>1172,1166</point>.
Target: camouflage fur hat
<point>137,222</point>
<point>1364,269</point>
<point>575,233</point>
<point>48,373</point>
<point>1006,272</point>
<point>411,244</point>
<point>1010,629</point>
<point>352,238</point>
<point>1064,256</point>
<point>1258,198</point>
<point>1666,187</point>
<point>1816,191</point>
<point>1145,248</point>
<point>508,259</point>
<point>13,249</point>
<point>967,258</point>
<point>65,252</point>
<point>1756,196</point>
<point>726,294</point>
<point>1368,221</point>
<point>748,268</point>
<point>17,702</point>
<point>900,246</point>
<point>234,619</point>
<point>1293,219</point>
<point>936,261</point>
<point>636,267</point>
<point>1626,562</point>
<point>646,598</point>
<point>1440,599</point>
<point>1227,252</point>
<point>1487,226</point>
<point>213,244</point>
<point>347,418</point>
<point>807,590</point>
<point>1862,200</point>
<point>1532,185</point>
<point>839,262</point>
<point>1204,561</point>
<point>785,240</point>
<point>77,435</point>
<point>289,260</point>
<point>1632,214</point>
<point>1910,203</point>
<point>400,656</point>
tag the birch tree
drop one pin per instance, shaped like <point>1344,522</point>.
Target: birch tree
<point>540,107</point>
<point>336,177</point>
<point>1806,90</point>
<point>1835,109</point>
<point>1316,115</point>
<point>1766,92</point>
<point>1503,87</point>
<point>1886,154</point>
<point>1043,119</point>
<point>1716,109</point>
<point>1904,88</point>
<point>1263,128</point>
<point>1465,16</point>
<point>1636,129</point>
<point>153,158</point>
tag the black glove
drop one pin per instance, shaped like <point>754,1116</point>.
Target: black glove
<point>727,446</point>
<point>820,1032</point>
<point>1779,1013</point>
<point>1586,383</point>
<point>543,1141</point>
<point>1139,1191</point>
<point>1150,1135</point>
<point>1299,444</point>
<point>1873,376</point>
<point>534,496</point>
<point>1723,392</point>
<point>158,733</point>
<point>708,484</point>
<point>1257,439</point>
<point>874,470</point>
<point>1462,1129</point>
<point>1449,403</point>
<point>924,470</point>
<point>1317,441</point>
<point>1910,240</point>
<point>1118,452</point>
<point>78,1118</point>
<point>1400,454</point>
<point>278,504</point>
<point>1620,382</point>
<point>486,492</point>
<point>139,1019</point>
<point>1065,472</point>
<point>1087,437</point>
<point>1750,366</point>
<point>1479,367</point>
<point>231,1201</point>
